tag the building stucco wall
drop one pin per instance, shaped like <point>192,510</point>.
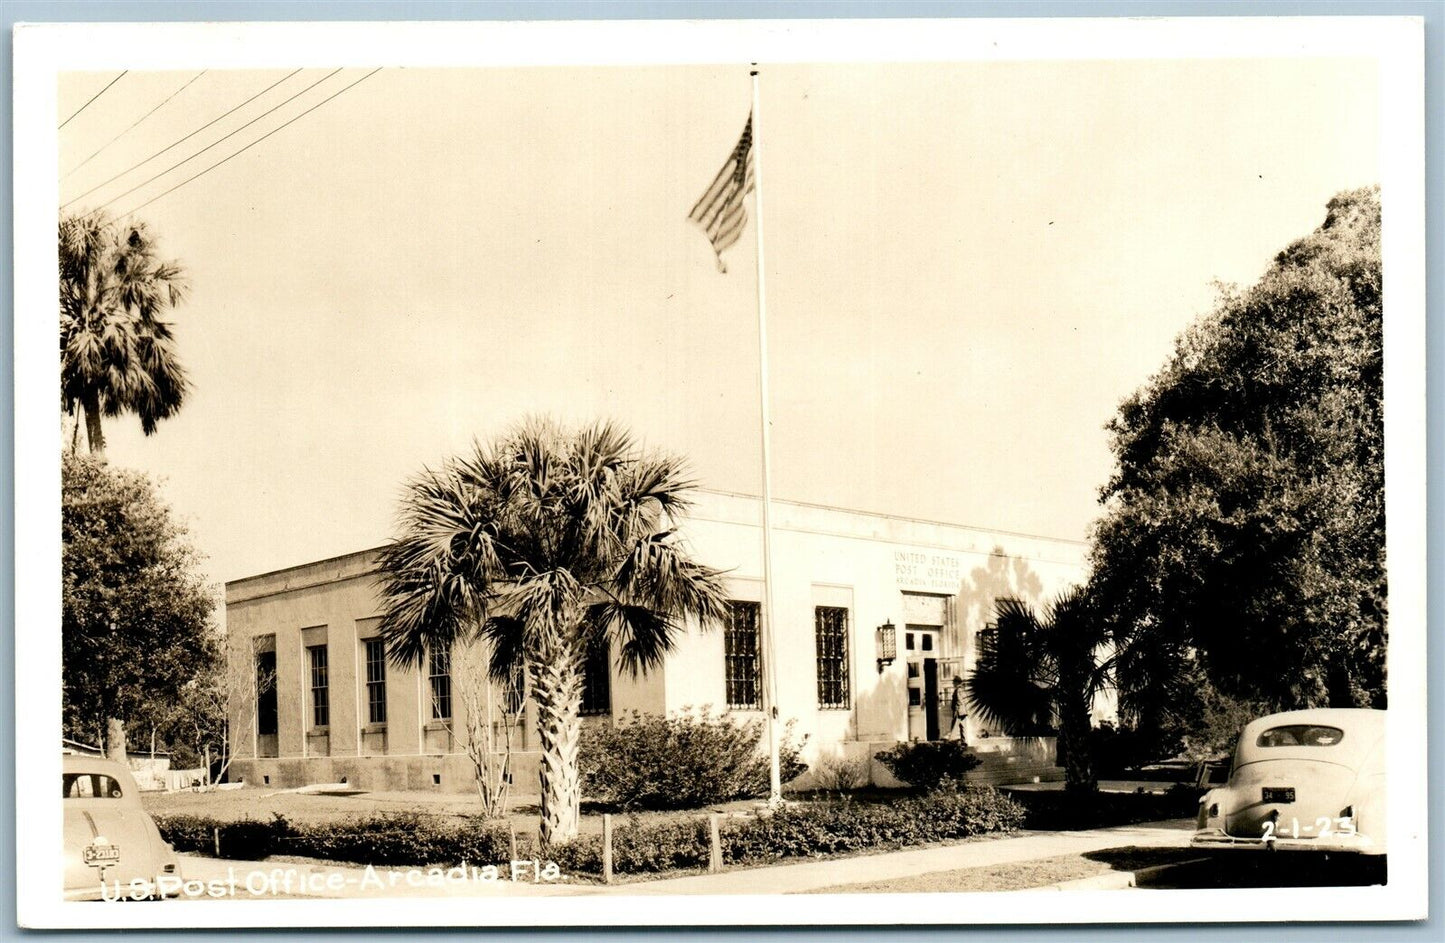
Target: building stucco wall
<point>880,568</point>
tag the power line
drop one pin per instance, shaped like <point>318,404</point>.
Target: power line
<point>229,134</point>
<point>181,141</point>
<point>133,126</point>
<point>93,98</point>
<point>257,141</point>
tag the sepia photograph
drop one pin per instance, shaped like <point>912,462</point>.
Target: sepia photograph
<point>907,467</point>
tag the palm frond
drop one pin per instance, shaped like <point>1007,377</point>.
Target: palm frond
<point>643,635</point>
<point>117,354</point>
<point>544,540</point>
<point>506,646</point>
<point>659,575</point>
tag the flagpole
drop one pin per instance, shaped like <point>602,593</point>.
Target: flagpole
<point>770,685</point>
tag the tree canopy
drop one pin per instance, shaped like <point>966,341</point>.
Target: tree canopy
<point>543,544</point>
<point>135,618</point>
<point>116,353</point>
<point>1244,526</point>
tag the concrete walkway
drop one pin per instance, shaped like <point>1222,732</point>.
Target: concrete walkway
<point>831,872</point>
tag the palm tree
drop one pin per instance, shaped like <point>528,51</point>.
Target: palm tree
<point>116,354</point>
<point>1031,670</point>
<point>544,542</point>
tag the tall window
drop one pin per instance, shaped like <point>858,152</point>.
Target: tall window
<point>320,699</point>
<point>597,679</point>
<point>266,715</point>
<point>831,624</point>
<point>514,691</point>
<point>439,675</point>
<point>376,681</point>
<point>741,662</point>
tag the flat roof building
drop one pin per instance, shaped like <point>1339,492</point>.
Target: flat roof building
<point>875,617</point>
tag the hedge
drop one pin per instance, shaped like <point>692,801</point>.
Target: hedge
<point>403,839</point>
<point>638,847</point>
<point>1057,810</point>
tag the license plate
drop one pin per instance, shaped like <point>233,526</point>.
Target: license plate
<point>1278,794</point>
<point>97,855</point>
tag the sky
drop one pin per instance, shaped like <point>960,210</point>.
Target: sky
<point>968,267</point>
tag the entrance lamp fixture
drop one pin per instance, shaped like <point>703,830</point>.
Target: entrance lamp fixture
<point>887,645</point>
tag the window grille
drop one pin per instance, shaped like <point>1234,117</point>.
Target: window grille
<point>320,699</point>
<point>439,675</point>
<point>831,624</point>
<point>375,681</point>
<point>742,659</point>
<point>266,713</point>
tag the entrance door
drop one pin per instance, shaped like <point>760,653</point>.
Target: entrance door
<point>920,644</point>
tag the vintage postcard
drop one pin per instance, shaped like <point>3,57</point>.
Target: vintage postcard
<point>862,472</point>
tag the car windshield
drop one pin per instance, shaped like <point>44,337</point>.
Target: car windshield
<point>89,786</point>
<point>1300,735</point>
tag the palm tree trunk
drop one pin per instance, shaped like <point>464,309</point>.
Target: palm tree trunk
<point>115,738</point>
<point>1074,727</point>
<point>557,692</point>
<point>93,434</point>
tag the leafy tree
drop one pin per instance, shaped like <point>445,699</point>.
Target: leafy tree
<point>490,712</point>
<point>210,717</point>
<point>539,544</point>
<point>1031,670</point>
<point>1244,526</point>
<point>116,354</point>
<point>1209,721</point>
<point>135,615</point>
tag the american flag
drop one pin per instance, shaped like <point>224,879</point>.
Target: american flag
<point>722,212</point>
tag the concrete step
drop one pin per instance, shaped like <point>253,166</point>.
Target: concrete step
<point>1007,775</point>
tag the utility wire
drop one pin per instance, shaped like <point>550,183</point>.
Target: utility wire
<point>257,141</point>
<point>181,141</point>
<point>93,98</point>
<point>229,134</point>
<point>133,127</point>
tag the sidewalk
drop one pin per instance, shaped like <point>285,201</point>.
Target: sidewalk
<point>812,875</point>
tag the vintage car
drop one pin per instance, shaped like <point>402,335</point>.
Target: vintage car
<point>109,836</point>
<point>1302,780</point>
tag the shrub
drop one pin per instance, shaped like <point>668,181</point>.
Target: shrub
<point>638,847</point>
<point>827,828</point>
<point>392,839</point>
<point>929,765</point>
<point>245,839</point>
<point>662,846</point>
<point>838,774</point>
<point>581,855</point>
<point>808,830</point>
<point>1057,810</point>
<point>681,762</point>
<point>407,838</point>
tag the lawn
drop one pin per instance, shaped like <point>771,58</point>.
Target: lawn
<point>1020,875</point>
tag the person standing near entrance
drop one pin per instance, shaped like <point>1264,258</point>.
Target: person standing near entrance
<point>956,708</point>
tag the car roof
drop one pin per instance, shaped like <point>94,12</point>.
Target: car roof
<point>78,763</point>
<point>1363,729</point>
<point>1346,718</point>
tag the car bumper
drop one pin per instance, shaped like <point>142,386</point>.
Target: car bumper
<point>1352,844</point>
